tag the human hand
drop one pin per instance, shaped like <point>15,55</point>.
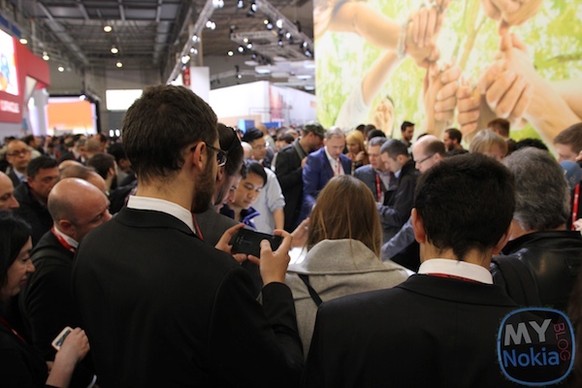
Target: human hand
<point>420,39</point>
<point>504,85</point>
<point>273,265</point>
<point>440,96</point>
<point>473,112</point>
<point>224,244</point>
<point>73,349</point>
<point>578,225</point>
<point>300,233</point>
<point>512,12</point>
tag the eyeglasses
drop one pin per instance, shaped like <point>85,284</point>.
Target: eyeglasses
<point>22,152</point>
<point>221,155</point>
<point>425,159</point>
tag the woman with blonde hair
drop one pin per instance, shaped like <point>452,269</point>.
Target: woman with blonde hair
<point>343,250</point>
<point>356,149</point>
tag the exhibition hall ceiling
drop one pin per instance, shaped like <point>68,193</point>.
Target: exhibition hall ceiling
<point>156,34</point>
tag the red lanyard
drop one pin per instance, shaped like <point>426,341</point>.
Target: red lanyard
<point>338,166</point>
<point>196,227</point>
<point>4,323</point>
<point>63,242</point>
<point>446,275</point>
<point>575,205</point>
<point>378,188</point>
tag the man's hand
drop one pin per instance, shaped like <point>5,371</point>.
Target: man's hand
<point>511,12</point>
<point>273,265</point>
<point>224,245</point>
<point>300,234</point>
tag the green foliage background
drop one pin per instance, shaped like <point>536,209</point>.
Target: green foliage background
<point>553,38</point>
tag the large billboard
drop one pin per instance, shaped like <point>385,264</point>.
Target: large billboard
<point>449,63</point>
<point>10,106</point>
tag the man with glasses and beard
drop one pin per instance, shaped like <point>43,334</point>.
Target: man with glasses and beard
<point>160,306</point>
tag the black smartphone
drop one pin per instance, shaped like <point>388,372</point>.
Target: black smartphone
<point>249,242</point>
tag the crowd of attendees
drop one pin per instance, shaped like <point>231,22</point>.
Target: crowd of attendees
<point>411,251</point>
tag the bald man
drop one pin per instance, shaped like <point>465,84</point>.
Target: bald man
<point>402,248</point>
<point>77,207</point>
<point>7,200</point>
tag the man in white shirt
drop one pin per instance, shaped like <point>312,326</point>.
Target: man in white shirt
<point>439,327</point>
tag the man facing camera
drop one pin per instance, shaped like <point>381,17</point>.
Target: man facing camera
<point>439,327</point>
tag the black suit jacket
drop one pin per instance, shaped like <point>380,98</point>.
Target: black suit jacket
<point>163,308</point>
<point>426,332</point>
<point>33,212</point>
<point>288,169</point>
<point>14,178</point>
<point>397,206</point>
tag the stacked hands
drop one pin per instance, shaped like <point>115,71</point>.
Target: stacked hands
<point>503,89</point>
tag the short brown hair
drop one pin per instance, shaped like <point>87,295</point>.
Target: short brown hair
<point>571,136</point>
<point>484,140</point>
<point>346,209</point>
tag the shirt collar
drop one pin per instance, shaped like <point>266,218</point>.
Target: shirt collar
<point>71,241</point>
<point>456,268</point>
<point>397,173</point>
<point>329,156</point>
<point>161,205</point>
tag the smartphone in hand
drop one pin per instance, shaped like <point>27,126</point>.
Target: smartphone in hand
<point>249,242</point>
<point>58,341</point>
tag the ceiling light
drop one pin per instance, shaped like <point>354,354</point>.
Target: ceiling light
<point>23,40</point>
<point>107,28</point>
<point>195,38</point>
<point>114,50</point>
<point>218,3</point>
<point>249,45</point>
<point>230,53</point>
<point>238,76</point>
<point>211,25</point>
<point>266,21</point>
<point>185,59</point>
<point>240,49</point>
<point>280,42</point>
<point>308,53</point>
<point>246,40</point>
<point>194,51</point>
<point>240,4</point>
<point>270,26</point>
<point>288,35</point>
<point>45,56</point>
<point>254,7</point>
<point>119,64</point>
<point>60,69</point>
<point>279,23</point>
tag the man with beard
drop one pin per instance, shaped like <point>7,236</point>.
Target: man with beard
<point>160,306</point>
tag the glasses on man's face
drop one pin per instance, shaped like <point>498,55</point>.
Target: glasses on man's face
<point>424,160</point>
<point>220,155</point>
<point>22,152</point>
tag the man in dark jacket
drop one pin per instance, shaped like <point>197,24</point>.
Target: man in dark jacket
<point>289,166</point>
<point>543,258</point>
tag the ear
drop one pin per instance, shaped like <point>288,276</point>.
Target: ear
<point>418,227</point>
<point>220,175</point>
<point>66,227</point>
<point>199,155</point>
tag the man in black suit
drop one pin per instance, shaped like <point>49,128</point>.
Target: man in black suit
<point>438,328</point>
<point>77,207</point>
<point>289,167</point>
<point>395,209</point>
<point>18,155</point>
<point>160,306</point>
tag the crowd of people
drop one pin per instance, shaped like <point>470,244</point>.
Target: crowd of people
<point>412,251</point>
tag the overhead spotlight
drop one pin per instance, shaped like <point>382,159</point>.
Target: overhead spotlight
<point>45,56</point>
<point>119,64</point>
<point>246,40</point>
<point>308,53</point>
<point>210,25</point>
<point>269,26</point>
<point>279,23</point>
<point>288,35</point>
<point>114,50</point>
<point>238,76</point>
<point>185,59</point>
<point>280,42</point>
<point>230,53</point>
<point>304,44</point>
<point>107,28</point>
<point>60,69</point>
<point>249,45</point>
<point>266,21</point>
<point>240,4</point>
<point>195,38</point>
<point>240,49</point>
<point>194,51</point>
<point>254,56</point>
<point>254,7</point>
<point>218,3</point>
<point>23,40</point>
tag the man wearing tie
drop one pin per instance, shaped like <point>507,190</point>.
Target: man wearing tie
<point>323,165</point>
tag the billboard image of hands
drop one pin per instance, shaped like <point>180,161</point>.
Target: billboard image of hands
<point>449,63</point>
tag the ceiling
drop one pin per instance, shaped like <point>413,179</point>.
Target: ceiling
<point>157,34</point>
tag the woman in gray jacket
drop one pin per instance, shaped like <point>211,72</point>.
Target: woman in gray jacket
<point>343,248</point>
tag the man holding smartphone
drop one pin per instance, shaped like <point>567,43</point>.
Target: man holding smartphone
<point>160,306</point>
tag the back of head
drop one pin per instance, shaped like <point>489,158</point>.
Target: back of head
<point>14,233</point>
<point>160,124</point>
<point>375,133</point>
<point>377,141</point>
<point>230,143</point>
<point>346,209</point>
<point>500,126</point>
<point>102,163</point>
<point>454,134</point>
<point>93,145</point>
<point>69,196</point>
<point>394,148</point>
<point>40,163</point>
<point>252,134</point>
<point>485,140</point>
<point>571,136</point>
<point>542,197</point>
<point>334,132</point>
<point>466,203</point>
